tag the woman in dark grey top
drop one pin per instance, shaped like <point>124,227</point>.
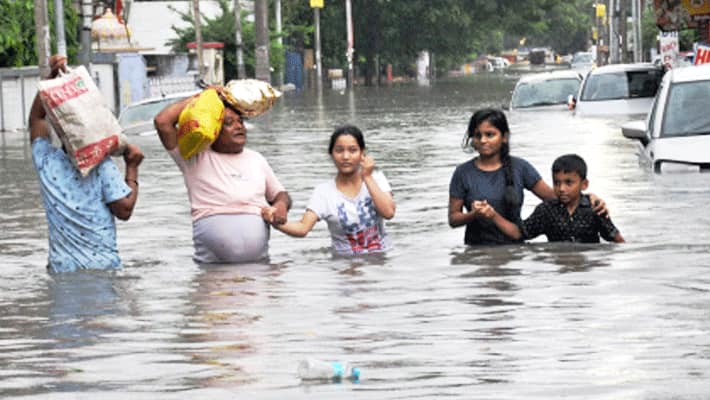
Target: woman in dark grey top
<point>493,177</point>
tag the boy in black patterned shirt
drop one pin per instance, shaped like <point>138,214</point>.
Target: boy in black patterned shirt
<point>568,218</point>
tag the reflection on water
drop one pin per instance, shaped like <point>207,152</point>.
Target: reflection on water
<point>432,318</point>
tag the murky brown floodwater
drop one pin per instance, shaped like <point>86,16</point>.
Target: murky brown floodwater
<point>431,319</point>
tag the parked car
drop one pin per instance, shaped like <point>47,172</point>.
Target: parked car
<point>582,61</point>
<point>498,63</point>
<point>137,118</point>
<point>545,89</point>
<point>618,89</point>
<point>676,133</point>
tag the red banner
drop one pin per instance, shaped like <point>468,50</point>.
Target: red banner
<point>702,54</point>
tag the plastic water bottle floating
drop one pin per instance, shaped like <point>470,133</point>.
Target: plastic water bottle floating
<point>312,369</point>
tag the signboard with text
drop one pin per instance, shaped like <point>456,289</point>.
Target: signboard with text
<point>702,54</point>
<point>669,49</point>
<point>674,15</point>
<point>317,3</point>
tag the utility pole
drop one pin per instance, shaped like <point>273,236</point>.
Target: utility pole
<point>319,67</point>
<point>639,36</point>
<point>598,30</point>
<point>87,12</point>
<point>613,37</point>
<point>316,5</point>
<point>623,30</point>
<point>42,34</point>
<point>261,39</point>
<point>198,38</point>
<point>277,16</point>
<point>636,18</point>
<point>351,50</point>
<point>59,27</point>
<point>241,73</point>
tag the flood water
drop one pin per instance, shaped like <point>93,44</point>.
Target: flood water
<point>431,319</point>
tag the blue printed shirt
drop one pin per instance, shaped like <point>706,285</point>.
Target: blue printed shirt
<point>82,230</point>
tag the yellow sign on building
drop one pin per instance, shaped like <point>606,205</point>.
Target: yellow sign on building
<point>697,7</point>
<point>317,3</point>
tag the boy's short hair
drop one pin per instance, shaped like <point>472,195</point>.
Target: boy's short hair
<point>570,163</point>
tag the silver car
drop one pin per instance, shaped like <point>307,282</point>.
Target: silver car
<point>676,133</point>
<point>137,118</point>
<point>618,89</point>
<point>545,89</point>
<point>582,62</point>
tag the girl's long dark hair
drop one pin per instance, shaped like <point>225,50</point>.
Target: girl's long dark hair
<point>497,119</point>
<point>351,130</point>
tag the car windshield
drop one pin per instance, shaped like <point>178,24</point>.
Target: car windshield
<point>544,93</point>
<point>142,113</point>
<point>621,85</point>
<point>686,111</point>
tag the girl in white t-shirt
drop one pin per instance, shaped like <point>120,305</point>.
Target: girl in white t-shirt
<point>354,204</point>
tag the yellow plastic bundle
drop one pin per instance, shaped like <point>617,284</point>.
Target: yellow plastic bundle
<point>250,97</point>
<point>199,123</point>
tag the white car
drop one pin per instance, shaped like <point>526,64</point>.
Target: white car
<point>618,89</point>
<point>545,89</point>
<point>582,61</point>
<point>676,133</point>
<point>137,118</point>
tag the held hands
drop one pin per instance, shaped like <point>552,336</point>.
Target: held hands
<point>481,208</point>
<point>133,156</point>
<point>367,165</point>
<point>275,215</point>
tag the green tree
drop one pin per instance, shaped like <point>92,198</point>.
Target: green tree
<point>396,30</point>
<point>221,28</point>
<point>17,32</point>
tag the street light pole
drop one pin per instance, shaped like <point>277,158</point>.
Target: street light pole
<point>198,38</point>
<point>319,70</point>
<point>350,51</point>
<point>639,15</point>
<point>277,16</point>
<point>241,74</point>
<point>87,12</point>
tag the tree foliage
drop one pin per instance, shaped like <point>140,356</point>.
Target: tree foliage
<point>221,28</point>
<point>17,32</point>
<point>395,31</point>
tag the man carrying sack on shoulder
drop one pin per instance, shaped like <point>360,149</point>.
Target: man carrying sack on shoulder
<point>80,209</point>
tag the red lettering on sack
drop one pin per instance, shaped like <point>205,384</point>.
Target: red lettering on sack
<point>187,127</point>
<point>92,154</point>
<point>57,95</point>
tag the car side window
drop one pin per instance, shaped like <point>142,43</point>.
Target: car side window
<point>652,115</point>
